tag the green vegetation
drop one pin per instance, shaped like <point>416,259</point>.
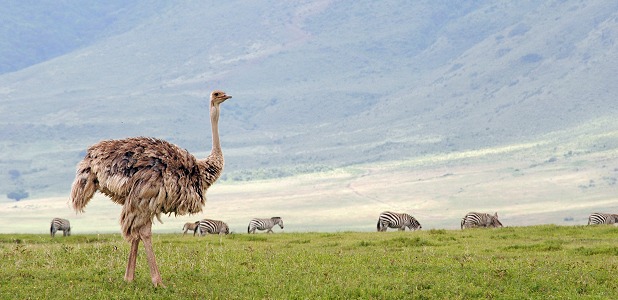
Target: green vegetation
<point>508,263</point>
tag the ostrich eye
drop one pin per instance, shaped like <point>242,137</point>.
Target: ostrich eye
<point>217,94</point>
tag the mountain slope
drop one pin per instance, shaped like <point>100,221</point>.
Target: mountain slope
<point>34,31</point>
<point>316,84</point>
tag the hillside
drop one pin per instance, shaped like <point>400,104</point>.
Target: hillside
<point>317,85</point>
<point>33,31</point>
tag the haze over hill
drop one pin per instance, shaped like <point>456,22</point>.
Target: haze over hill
<point>317,85</point>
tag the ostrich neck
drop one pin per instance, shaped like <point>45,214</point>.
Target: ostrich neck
<point>212,166</point>
<point>214,120</point>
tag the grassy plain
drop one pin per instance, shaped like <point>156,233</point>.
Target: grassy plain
<point>548,262</point>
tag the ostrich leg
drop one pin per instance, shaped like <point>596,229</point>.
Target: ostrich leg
<point>130,273</point>
<point>146,234</point>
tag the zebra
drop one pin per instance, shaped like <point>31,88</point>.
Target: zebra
<point>474,219</point>
<point>264,224</point>
<point>60,224</point>
<point>190,226</point>
<point>601,218</point>
<point>389,219</point>
<point>208,226</point>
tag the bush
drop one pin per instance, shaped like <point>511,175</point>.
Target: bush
<point>14,174</point>
<point>17,195</point>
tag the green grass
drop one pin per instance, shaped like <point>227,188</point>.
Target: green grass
<point>534,262</point>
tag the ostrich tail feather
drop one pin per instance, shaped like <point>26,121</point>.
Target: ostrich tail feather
<point>84,187</point>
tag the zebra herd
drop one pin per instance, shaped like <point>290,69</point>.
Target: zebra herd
<point>400,221</point>
<point>387,219</point>
<point>208,226</point>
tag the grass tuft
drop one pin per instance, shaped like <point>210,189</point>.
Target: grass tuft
<point>407,242</point>
<point>437,231</point>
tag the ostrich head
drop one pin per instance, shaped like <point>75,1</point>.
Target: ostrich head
<point>217,97</point>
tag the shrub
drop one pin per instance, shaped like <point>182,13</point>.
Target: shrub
<point>17,195</point>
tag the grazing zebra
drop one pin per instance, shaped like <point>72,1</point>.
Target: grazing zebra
<point>601,218</point>
<point>264,224</point>
<point>60,224</point>
<point>474,219</point>
<point>207,226</point>
<point>190,226</point>
<point>389,219</point>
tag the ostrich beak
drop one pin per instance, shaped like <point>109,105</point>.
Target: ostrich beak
<point>225,97</point>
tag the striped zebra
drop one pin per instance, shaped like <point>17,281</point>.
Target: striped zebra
<point>601,218</point>
<point>60,224</point>
<point>390,219</point>
<point>264,224</point>
<point>474,219</point>
<point>208,226</point>
<point>190,226</point>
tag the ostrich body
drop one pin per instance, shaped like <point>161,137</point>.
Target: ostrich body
<point>148,177</point>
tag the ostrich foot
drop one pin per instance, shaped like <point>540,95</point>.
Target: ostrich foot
<point>157,282</point>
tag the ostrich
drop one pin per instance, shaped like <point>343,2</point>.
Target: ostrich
<point>148,177</point>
